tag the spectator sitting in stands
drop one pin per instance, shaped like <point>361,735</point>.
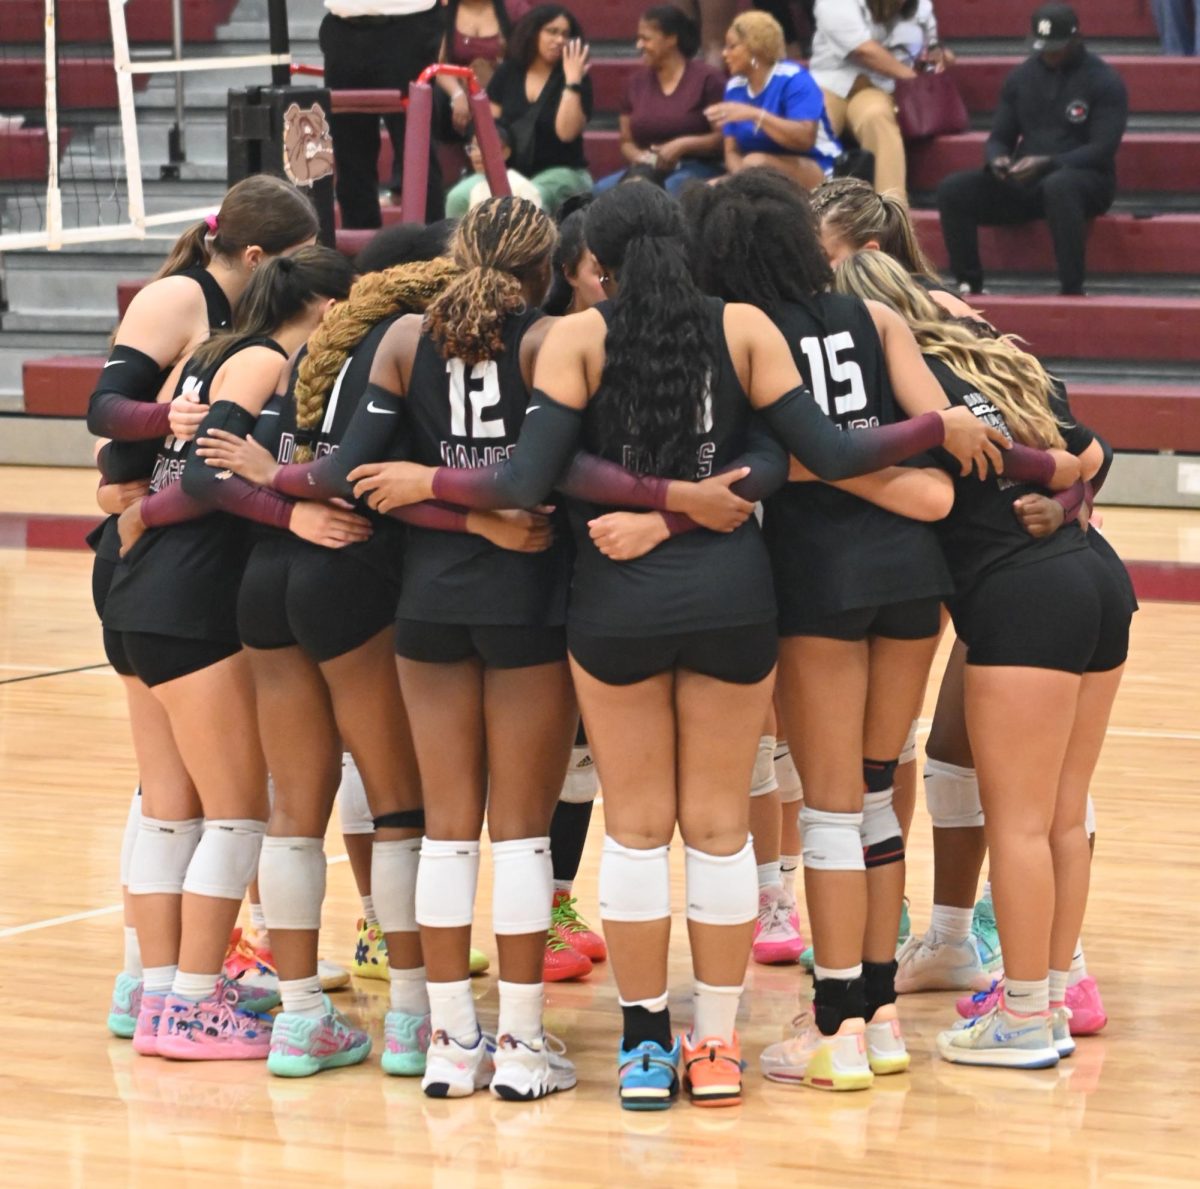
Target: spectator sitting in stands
<point>773,113</point>
<point>541,94</point>
<point>470,190</point>
<point>662,115</point>
<point>857,70</point>
<point>1051,153</point>
<point>1178,24</point>
<point>914,39</point>
<point>476,31</point>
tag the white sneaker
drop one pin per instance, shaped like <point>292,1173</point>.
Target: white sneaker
<point>1060,1027</point>
<point>927,964</point>
<point>1000,1038</point>
<point>837,1062</point>
<point>886,1051</point>
<point>333,977</point>
<point>453,1070</point>
<point>531,1069</point>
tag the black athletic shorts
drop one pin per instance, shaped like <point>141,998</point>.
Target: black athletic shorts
<point>321,599</point>
<point>114,647</point>
<point>499,646</point>
<point>916,619</point>
<point>157,659</point>
<point>1067,613</point>
<point>740,655</point>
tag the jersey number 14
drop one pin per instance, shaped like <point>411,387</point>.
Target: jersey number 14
<point>840,371</point>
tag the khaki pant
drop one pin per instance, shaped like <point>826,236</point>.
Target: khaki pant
<point>871,116</point>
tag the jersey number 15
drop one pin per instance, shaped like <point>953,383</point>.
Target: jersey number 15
<point>840,371</point>
<point>481,391</point>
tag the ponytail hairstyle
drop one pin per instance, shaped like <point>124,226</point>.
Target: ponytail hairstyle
<point>405,289</point>
<point>260,210</point>
<point>279,291</point>
<point>858,215</point>
<point>660,357</point>
<point>497,245</point>
<point>754,239</point>
<point>1011,378</point>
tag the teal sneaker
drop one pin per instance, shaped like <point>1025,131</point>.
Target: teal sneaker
<point>405,1043</point>
<point>806,959</point>
<point>1002,1039</point>
<point>905,924</point>
<point>986,937</point>
<point>304,1045</point>
<point>648,1076</point>
<point>126,1002</point>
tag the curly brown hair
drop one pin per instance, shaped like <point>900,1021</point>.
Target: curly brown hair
<point>497,245</point>
<point>405,289</point>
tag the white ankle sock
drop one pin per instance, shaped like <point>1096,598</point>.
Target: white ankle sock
<point>521,1010</point>
<point>369,911</point>
<point>658,1003</point>
<point>407,991</point>
<point>987,891</point>
<point>258,918</point>
<point>1078,971</point>
<point>133,953</point>
<point>788,866</point>
<point>769,875</point>
<point>564,885</point>
<point>194,986</point>
<point>1027,997</point>
<point>845,973</point>
<point>952,925</point>
<point>715,1011</point>
<point>157,980</point>
<point>452,1010</point>
<point>302,996</point>
<point>1058,986</point>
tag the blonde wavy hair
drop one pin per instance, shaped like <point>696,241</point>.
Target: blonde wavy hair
<point>496,245</point>
<point>1012,379</point>
<point>761,34</point>
<point>405,289</point>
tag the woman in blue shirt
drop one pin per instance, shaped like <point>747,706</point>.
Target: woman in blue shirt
<point>773,112</point>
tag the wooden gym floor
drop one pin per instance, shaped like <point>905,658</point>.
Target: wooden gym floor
<point>80,1109</point>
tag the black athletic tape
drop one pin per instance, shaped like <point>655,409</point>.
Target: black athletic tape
<point>405,819</point>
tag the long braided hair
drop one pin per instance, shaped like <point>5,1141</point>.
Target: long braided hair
<point>498,245</point>
<point>405,289</point>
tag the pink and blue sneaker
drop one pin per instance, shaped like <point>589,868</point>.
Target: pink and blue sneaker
<point>126,1001</point>
<point>1086,1008</point>
<point>405,1043</point>
<point>213,1029</point>
<point>304,1045</point>
<point>145,1032</point>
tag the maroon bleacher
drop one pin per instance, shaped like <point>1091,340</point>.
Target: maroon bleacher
<point>87,21</point>
<point>23,153</point>
<point>1010,18</point>
<point>60,386</point>
<point>82,83</point>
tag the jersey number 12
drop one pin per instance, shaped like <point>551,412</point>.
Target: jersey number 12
<point>841,371</point>
<point>480,390</point>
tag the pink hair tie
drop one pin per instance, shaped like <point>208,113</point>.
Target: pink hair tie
<point>211,221</point>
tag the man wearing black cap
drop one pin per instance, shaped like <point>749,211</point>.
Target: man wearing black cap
<point>1051,153</point>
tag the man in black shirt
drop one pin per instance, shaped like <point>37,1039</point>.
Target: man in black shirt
<point>1051,153</point>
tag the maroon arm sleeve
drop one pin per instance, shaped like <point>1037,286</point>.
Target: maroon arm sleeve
<point>1024,464</point>
<point>173,505</point>
<point>433,514</point>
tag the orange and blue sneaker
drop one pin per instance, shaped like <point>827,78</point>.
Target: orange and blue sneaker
<point>145,1033</point>
<point>562,961</point>
<point>123,1011</point>
<point>213,1029</point>
<point>251,969</point>
<point>405,1043</point>
<point>647,1076</point>
<point>712,1070</point>
<point>304,1045</point>
<point>574,930</point>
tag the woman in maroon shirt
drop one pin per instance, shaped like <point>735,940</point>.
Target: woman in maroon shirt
<point>662,118</point>
<point>476,31</point>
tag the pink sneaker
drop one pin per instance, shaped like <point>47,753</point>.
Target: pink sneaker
<point>145,1032</point>
<point>777,931</point>
<point>971,1007</point>
<point>1087,1008</point>
<point>215,1029</point>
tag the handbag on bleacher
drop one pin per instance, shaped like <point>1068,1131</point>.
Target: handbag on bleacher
<point>930,105</point>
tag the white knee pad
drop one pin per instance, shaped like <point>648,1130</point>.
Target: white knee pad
<point>133,821</point>
<point>1089,820</point>
<point>446,880</point>
<point>908,752</point>
<point>226,860</point>
<point>832,841</point>
<point>790,788</point>
<point>882,840</point>
<point>353,810</point>
<point>161,854</point>
<point>581,783</point>
<point>522,886</point>
<point>291,882</point>
<point>721,889</point>
<point>394,867</point>
<point>635,885</point>
<point>952,796</point>
<point>763,780</point>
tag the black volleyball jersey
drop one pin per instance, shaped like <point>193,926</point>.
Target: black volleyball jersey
<point>138,458</point>
<point>277,431</point>
<point>471,416</point>
<point>831,551</point>
<point>696,581</point>
<point>182,579</point>
<point>982,532</point>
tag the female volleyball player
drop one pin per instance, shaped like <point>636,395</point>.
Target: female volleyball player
<point>1045,623</point>
<point>663,380</point>
<point>192,295</point>
<point>171,610</point>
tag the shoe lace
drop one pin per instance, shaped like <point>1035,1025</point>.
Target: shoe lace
<point>565,914</point>
<point>982,996</point>
<point>555,943</point>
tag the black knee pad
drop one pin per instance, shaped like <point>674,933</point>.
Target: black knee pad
<point>879,775</point>
<point>405,819</point>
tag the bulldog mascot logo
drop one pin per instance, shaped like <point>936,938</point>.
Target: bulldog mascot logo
<point>307,145</point>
